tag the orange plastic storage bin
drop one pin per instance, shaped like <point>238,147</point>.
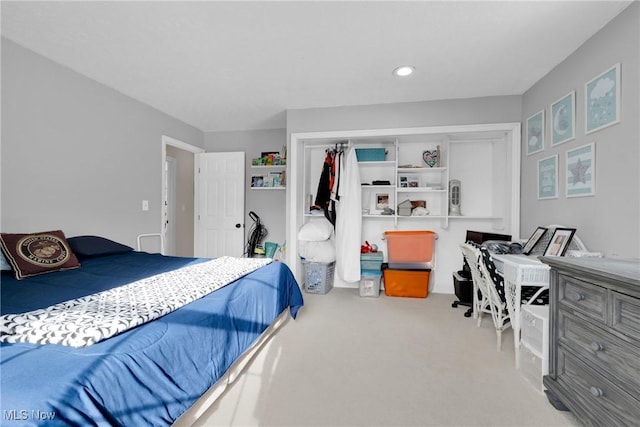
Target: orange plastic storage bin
<point>410,246</point>
<point>406,283</point>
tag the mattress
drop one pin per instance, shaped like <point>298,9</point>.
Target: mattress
<point>149,375</point>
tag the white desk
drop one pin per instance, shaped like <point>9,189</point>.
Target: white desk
<point>519,271</point>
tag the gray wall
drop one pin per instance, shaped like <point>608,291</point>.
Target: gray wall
<point>184,200</point>
<point>608,222</point>
<point>269,205</point>
<point>498,109</point>
<point>77,155</point>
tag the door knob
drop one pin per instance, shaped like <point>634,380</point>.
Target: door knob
<point>238,225</point>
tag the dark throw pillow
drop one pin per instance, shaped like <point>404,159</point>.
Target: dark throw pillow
<point>95,246</point>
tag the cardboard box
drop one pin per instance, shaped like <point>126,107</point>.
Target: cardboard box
<point>406,283</point>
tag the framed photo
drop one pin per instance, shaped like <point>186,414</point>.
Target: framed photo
<point>535,133</point>
<point>580,171</point>
<point>563,119</point>
<point>409,181</point>
<point>276,179</point>
<point>548,178</point>
<point>257,181</point>
<point>533,240</point>
<point>602,100</point>
<point>559,241</point>
<point>380,201</point>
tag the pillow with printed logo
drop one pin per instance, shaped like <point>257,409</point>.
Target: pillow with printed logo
<point>37,253</point>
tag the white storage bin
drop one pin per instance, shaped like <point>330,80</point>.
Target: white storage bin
<point>532,369</point>
<point>535,328</point>
<point>534,346</point>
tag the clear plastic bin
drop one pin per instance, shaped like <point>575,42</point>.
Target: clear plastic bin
<point>370,283</point>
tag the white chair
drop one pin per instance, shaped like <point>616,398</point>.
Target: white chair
<point>491,302</point>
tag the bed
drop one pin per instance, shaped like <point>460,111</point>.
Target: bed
<point>151,374</point>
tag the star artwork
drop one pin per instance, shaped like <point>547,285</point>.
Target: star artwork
<point>579,172</point>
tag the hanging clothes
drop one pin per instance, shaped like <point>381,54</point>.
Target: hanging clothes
<point>323,195</point>
<point>349,219</point>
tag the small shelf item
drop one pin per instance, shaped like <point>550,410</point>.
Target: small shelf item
<point>432,157</point>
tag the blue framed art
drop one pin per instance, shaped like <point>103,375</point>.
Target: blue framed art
<point>535,133</point>
<point>580,171</point>
<point>602,100</point>
<point>563,119</point>
<point>548,177</point>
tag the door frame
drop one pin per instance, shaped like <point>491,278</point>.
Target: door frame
<point>167,140</point>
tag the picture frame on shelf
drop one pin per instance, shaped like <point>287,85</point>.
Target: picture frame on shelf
<point>257,181</point>
<point>380,202</point>
<point>580,171</point>
<point>602,100</point>
<point>548,178</point>
<point>559,241</point>
<point>563,119</point>
<point>535,133</point>
<point>276,179</point>
<point>409,181</point>
<point>533,240</point>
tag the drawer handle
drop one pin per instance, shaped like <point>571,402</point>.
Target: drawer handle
<point>596,392</point>
<point>578,296</point>
<point>597,346</point>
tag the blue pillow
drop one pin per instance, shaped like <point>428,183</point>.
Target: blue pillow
<point>4,265</point>
<point>95,246</point>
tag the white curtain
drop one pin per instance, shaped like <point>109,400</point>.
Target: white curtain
<point>349,219</point>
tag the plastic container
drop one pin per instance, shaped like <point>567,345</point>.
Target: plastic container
<point>318,277</point>
<point>406,283</point>
<point>410,249</point>
<point>270,249</point>
<point>370,283</point>
<point>371,261</point>
<point>371,154</point>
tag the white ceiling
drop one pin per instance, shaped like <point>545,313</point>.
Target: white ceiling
<point>240,65</point>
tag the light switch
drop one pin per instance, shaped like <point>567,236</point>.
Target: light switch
<point>145,205</point>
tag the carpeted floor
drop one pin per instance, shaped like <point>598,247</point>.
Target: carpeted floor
<point>354,361</point>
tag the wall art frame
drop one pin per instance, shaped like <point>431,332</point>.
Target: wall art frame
<point>548,178</point>
<point>602,100</point>
<point>535,133</point>
<point>580,171</point>
<point>563,119</point>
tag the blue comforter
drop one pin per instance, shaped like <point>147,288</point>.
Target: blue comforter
<point>148,375</point>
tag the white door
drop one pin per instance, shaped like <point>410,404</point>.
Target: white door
<point>220,212</point>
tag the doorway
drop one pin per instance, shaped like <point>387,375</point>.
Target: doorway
<point>178,192</point>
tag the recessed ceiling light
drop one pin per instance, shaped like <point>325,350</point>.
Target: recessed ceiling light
<point>404,71</point>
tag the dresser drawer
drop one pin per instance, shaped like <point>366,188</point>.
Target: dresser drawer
<point>610,353</point>
<point>626,315</point>
<point>583,297</point>
<point>605,403</point>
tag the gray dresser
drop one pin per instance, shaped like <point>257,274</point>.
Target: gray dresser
<point>594,352</point>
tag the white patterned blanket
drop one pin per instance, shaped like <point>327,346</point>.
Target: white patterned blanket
<point>85,321</point>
